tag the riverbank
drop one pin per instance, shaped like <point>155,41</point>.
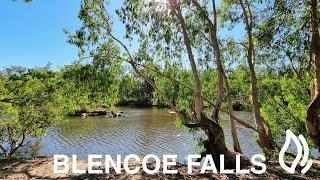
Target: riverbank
<point>42,168</point>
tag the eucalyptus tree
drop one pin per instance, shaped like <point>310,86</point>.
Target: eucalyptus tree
<point>212,26</point>
<point>265,142</point>
<point>289,36</point>
<point>284,44</point>
<point>242,9</point>
<point>214,131</point>
<point>312,123</point>
<point>230,54</point>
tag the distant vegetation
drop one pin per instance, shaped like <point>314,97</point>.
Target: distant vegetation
<point>33,99</point>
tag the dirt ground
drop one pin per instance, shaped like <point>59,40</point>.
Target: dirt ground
<point>42,168</point>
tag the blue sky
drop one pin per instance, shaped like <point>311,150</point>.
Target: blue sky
<point>31,34</point>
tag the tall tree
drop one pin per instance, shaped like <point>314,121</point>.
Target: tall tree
<point>312,122</point>
<point>266,143</point>
<point>177,11</point>
<point>283,43</point>
<point>213,26</point>
<point>216,129</point>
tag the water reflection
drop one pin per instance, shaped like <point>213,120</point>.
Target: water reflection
<point>139,131</point>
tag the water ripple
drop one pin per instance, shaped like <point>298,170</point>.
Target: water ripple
<point>138,131</point>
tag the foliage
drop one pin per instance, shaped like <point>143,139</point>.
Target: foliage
<point>96,84</point>
<point>30,102</point>
<point>284,100</point>
<point>33,99</point>
<point>128,89</point>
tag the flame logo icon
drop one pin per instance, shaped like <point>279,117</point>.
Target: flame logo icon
<point>304,162</point>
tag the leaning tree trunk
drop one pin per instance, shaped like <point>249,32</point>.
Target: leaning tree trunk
<point>264,142</point>
<point>197,95</point>
<point>312,120</point>
<point>222,77</point>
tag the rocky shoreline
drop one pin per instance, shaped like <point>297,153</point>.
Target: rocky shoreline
<point>98,113</point>
<point>42,168</point>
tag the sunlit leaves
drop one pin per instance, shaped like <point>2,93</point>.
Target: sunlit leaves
<point>30,102</point>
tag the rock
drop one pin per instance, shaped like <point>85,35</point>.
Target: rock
<point>116,114</point>
<point>109,114</point>
<point>101,112</point>
<point>170,111</point>
<point>93,114</point>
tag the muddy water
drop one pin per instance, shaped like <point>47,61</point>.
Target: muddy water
<point>138,131</point>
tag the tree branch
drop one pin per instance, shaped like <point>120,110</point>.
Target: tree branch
<point>132,62</point>
<point>12,151</point>
<point>195,125</point>
<point>198,101</point>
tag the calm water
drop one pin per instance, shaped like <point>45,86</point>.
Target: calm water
<point>139,131</point>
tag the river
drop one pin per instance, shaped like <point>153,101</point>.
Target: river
<point>138,131</point>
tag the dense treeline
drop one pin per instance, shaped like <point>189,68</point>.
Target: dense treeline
<point>46,96</point>
<point>199,58</point>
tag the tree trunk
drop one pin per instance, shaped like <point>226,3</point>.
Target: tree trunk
<point>312,121</point>
<point>222,77</point>
<point>236,144</point>
<point>312,89</point>
<point>264,142</point>
<point>176,9</point>
<point>14,149</point>
<point>215,146</point>
<point>220,70</point>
